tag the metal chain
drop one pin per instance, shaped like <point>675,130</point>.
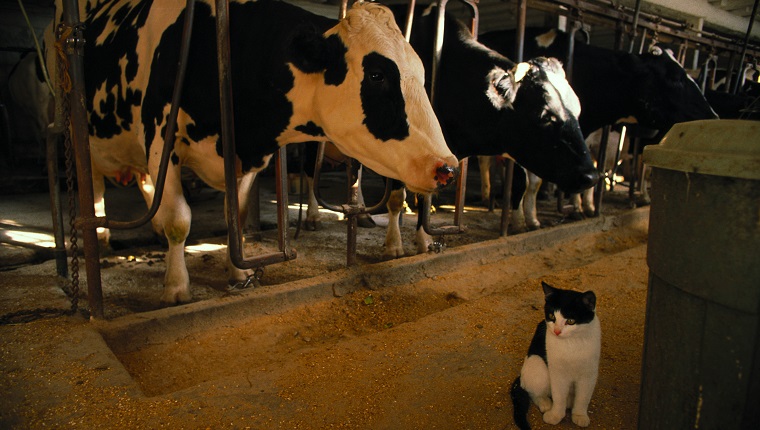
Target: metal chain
<point>253,280</point>
<point>25,316</point>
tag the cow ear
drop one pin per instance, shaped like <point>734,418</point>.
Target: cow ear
<point>311,52</point>
<point>502,88</point>
<point>307,51</point>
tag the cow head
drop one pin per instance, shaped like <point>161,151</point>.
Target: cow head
<point>368,98</point>
<point>544,112</point>
<point>665,94</point>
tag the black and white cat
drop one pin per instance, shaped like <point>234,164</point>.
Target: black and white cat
<point>562,364</point>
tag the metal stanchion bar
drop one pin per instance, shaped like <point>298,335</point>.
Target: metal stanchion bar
<point>61,265</point>
<point>169,133</point>
<point>234,234</point>
<point>80,141</point>
<point>424,215</point>
<point>509,167</point>
<point>601,167</point>
<point>740,79</point>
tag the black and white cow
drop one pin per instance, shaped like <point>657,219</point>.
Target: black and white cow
<point>489,105</point>
<point>651,89</point>
<point>297,77</point>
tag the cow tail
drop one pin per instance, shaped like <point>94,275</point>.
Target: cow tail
<point>521,403</point>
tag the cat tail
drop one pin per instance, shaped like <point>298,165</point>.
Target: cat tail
<point>521,404</point>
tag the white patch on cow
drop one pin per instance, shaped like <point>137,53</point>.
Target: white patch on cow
<point>521,70</point>
<point>565,95</point>
<point>545,40</point>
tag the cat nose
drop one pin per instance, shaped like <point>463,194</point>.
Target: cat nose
<point>557,332</point>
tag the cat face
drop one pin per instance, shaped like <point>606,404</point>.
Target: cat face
<point>566,311</point>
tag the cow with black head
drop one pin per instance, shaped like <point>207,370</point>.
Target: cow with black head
<point>650,89</point>
<point>296,77</point>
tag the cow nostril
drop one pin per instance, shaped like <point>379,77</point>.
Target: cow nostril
<point>590,179</point>
<point>445,174</point>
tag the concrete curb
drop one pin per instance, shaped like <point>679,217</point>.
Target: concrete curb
<point>129,333</point>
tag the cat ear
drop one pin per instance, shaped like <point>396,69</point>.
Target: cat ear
<point>589,299</point>
<point>548,289</point>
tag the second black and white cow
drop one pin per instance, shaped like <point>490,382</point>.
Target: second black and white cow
<point>651,89</point>
<point>296,76</point>
<point>489,105</point>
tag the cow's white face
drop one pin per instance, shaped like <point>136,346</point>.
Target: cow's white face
<point>373,105</point>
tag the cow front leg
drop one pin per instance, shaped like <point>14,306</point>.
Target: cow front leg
<point>235,274</point>
<point>529,202</point>
<point>394,247</point>
<point>313,218</point>
<point>484,163</point>
<point>98,194</point>
<point>173,218</point>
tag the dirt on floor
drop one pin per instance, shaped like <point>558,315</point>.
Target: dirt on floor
<point>439,351</point>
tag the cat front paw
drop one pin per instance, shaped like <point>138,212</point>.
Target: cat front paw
<point>581,420</point>
<point>544,404</point>
<point>553,417</point>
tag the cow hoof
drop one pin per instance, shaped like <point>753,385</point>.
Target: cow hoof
<point>175,295</point>
<point>393,253</point>
<point>313,225</point>
<point>576,216</point>
<point>589,213</point>
<point>365,221</point>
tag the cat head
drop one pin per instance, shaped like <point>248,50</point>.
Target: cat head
<point>566,311</point>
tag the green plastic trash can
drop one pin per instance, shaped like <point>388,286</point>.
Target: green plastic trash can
<point>701,362</point>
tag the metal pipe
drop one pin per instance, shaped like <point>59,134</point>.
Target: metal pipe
<point>636,13</point>
<point>740,81</point>
<point>81,144</point>
<point>601,165</point>
<point>234,231</point>
<point>61,265</point>
<point>462,178</point>
<point>343,208</point>
<point>169,133</point>
<point>509,164</point>
<point>409,20</point>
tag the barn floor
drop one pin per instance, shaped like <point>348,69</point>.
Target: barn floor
<point>427,341</point>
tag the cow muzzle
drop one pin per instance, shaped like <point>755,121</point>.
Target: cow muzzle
<point>445,175</point>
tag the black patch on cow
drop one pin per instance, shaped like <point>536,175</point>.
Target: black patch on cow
<point>311,129</point>
<point>382,101</point>
<point>310,52</point>
<point>260,79</point>
<point>102,68</point>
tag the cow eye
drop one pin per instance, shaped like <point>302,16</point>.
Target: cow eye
<point>376,76</point>
<point>548,118</point>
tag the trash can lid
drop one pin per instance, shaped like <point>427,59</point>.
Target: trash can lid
<point>719,147</point>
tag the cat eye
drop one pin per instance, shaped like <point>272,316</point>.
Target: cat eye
<point>570,321</point>
<point>550,317</point>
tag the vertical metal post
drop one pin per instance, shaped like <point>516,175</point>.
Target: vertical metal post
<point>601,167</point>
<point>61,266</point>
<point>636,13</point>
<point>509,164</point>
<point>234,230</point>
<point>80,140</point>
<point>740,79</point>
